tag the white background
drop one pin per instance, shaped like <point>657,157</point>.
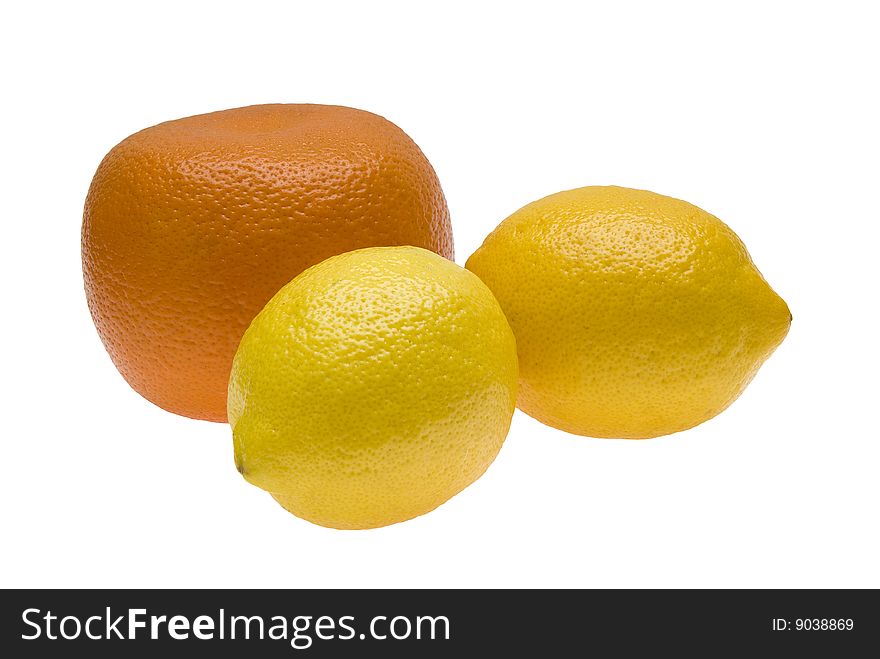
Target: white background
<point>766,114</point>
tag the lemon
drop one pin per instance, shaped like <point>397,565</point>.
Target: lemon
<point>635,314</point>
<point>373,387</point>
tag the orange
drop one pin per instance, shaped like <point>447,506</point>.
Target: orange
<point>191,226</point>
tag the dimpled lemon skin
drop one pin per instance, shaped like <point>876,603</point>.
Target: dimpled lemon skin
<point>635,315</point>
<point>373,387</point>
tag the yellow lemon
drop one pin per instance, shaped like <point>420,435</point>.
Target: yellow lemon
<point>635,314</point>
<point>373,387</point>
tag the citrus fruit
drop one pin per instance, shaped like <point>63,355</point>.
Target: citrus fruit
<point>372,388</point>
<point>635,314</point>
<point>192,225</point>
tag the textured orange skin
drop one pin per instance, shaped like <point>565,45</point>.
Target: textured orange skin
<point>191,226</point>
